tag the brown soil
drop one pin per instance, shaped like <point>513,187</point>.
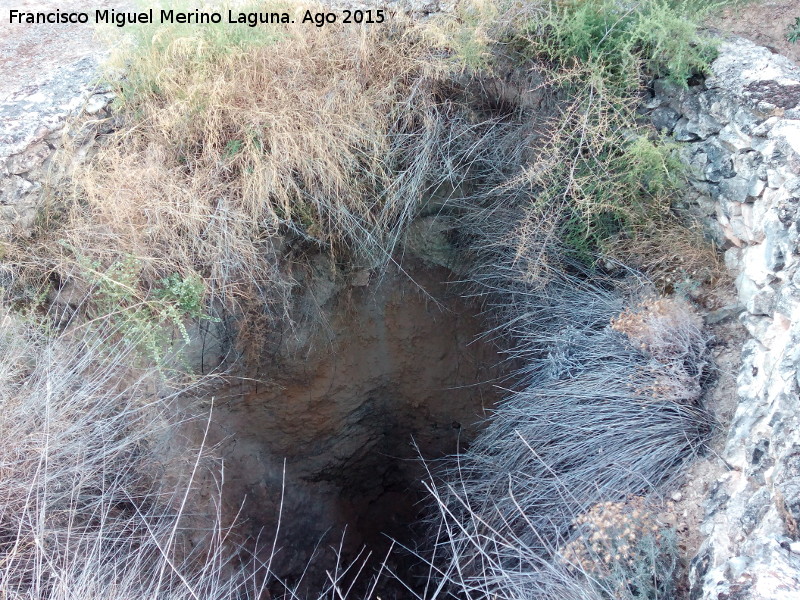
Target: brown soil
<point>765,22</point>
<point>386,364</point>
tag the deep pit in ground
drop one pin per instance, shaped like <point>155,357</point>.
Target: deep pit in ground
<point>380,371</point>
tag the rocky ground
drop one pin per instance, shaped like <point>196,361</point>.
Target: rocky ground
<point>45,70</point>
<point>48,73</point>
<point>765,22</point>
<point>739,132</point>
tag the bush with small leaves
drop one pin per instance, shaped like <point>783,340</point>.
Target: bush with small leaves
<point>622,546</point>
<point>145,320</point>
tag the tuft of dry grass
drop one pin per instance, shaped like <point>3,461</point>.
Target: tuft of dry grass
<point>624,545</point>
<point>675,255</point>
<point>607,405</point>
<point>84,510</point>
<point>230,151</point>
<point>670,333</point>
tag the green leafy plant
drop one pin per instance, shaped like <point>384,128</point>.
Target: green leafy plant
<point>184,293</point>
<point>147,320</point>
<point>601,174</point>
<point>619,39</point>
<point>794,31</point>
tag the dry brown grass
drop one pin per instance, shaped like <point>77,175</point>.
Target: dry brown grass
<point>623,547</point>
<point>676,256</point>
<point>237,150</point>
<point>608,532</point>
<point>669,332</point>
<point>228,150</point>
<point>659,326</point>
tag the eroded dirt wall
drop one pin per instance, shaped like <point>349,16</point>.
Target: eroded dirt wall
<point>385,363</point>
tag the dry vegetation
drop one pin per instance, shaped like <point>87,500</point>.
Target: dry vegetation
<point>82,512</point>
<point>237,153</point>
<point>691,262</point>
<point>608,406</point>
<point>229,149</point>
<point>624,545</point>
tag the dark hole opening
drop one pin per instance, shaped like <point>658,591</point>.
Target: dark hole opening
<point>391,368</point>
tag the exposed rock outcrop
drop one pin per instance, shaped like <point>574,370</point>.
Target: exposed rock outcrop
<point>740,135</point>
<point>37,126</point>
<point>37,99</point>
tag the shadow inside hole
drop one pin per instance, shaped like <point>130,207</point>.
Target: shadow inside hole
<point>385,372</point>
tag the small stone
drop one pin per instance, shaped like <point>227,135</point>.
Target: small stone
<point>792,185</point>
<point>774,178</point>
<point>733,260</point>
<point>664,119</point>
<point>734,138</point>
<point>677,497</point>
<point>726,312</point>
<point>682,132</point>
<point>756,187</point>
<point>360,278</point>
<point>95,104</point>
<point>720,163</point>
<point>704,125</point>
<point>698,162</point>
<point>789,130</point>
<point>736,189</point>
<point>763,129</point>
<point>774,255</point>
<point>29,159</point>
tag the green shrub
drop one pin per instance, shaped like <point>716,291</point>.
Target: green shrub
<point>185,294</point>
<point>793,34</point>
<point>615,176</point>
<point>146,320</point>
<point>620,39</point>
<point>617,183</point>
<point>600,174</point>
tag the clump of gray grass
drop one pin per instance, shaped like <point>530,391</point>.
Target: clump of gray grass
<point>95,499</point>
<point>85,510</point>
<point>608,405</point>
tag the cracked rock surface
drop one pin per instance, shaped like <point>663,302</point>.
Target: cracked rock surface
<point>740,138</point>
<point>48,73</point>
